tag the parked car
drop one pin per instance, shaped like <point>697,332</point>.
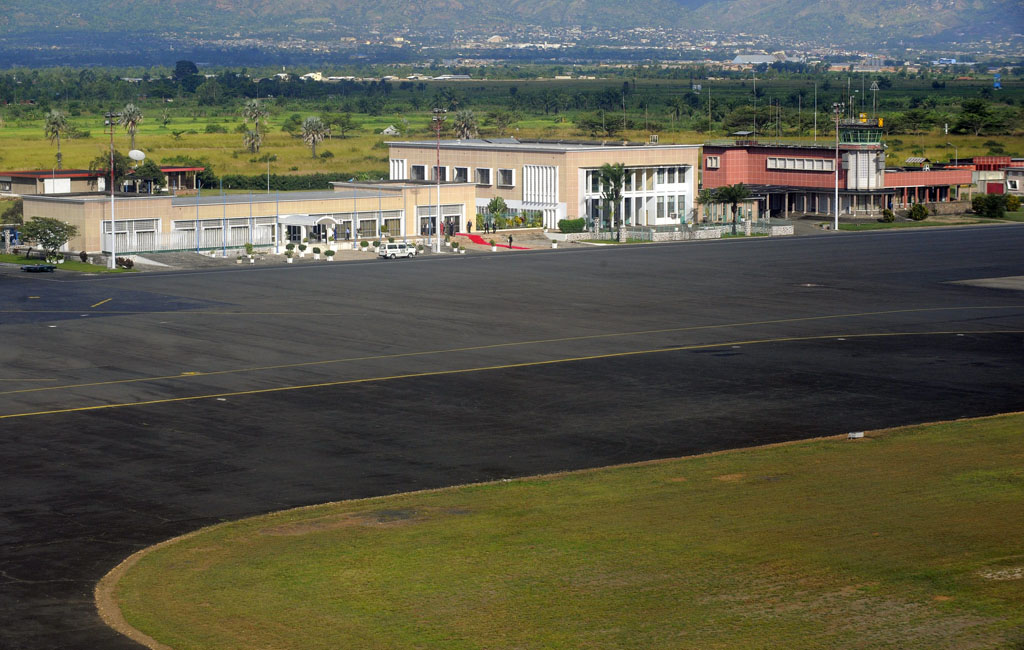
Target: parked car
<point>398,249</point>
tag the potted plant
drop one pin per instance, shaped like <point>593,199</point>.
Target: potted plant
<point>494,246</point>
<point>554,244</point>
<point>302,250</point>
<point>316,252</point>
<point>238,259</point>
<point>419,248</point>
<point>290,247</point>
<point>364,244</point>
<point>455,246</point>
<point>249,250</point>
<point>330,255</point>
<point>391,240</point>
<point>288,256</point>
<point>376,245</point>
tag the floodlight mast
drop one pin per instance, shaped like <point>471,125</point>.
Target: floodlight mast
<point>110,123</point>
<point>837,111</point>
<point>437,122</point>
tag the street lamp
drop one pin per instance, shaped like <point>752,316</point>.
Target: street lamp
<point>110,123</point>
<point>837,111</point>
<point>956,153</point>
<point>437,122</point>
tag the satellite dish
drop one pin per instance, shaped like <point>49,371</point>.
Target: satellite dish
<point>136,155</point>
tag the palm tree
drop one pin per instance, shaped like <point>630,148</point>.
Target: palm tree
<point>733,195</point>
<point>612,178</point>
<point>704,198</point>
<point>252,141</point>
<point>465,125</point>
<point>131,118</point>
<point>56,125</point>
<point>313,132</point>
<point>252,112</point>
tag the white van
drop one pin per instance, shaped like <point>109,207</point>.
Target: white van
<point>390,250</point>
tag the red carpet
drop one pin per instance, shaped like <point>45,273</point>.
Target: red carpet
<point>477,239</point>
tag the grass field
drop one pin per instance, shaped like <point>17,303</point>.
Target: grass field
<point>908,538</point>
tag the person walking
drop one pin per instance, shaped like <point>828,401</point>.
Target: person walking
<point>510,240</point>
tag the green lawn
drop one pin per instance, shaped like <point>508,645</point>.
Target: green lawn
<point>909,538</point>
<point>68,265</point>
<point>904,224</point>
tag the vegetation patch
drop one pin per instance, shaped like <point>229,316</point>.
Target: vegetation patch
<point>906,538</point>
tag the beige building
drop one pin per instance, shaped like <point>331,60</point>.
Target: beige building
<point>559,179</point>
<point>351,212</point>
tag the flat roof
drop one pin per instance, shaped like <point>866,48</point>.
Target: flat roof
<point>263,197</point>
<point>56,173</point>
<point>548,146</point>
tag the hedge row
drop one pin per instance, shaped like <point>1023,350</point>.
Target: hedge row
<point>572,225</point>
<point>283,183</point>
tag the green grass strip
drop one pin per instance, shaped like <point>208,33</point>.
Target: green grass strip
<point>908,538</point>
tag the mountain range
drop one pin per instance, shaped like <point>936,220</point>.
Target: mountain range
<point>835,21</point>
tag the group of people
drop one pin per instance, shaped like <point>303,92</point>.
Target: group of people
<point>491,227</point>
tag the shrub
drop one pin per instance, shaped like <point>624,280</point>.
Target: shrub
<point>364,244</point>
<point>992,206</point>
<point>376,243</point>
<point>303,247</point>
<point>888,215</point>
<point>326,154</point>
<point>918,212</point>
<point>329,253</point>
<point>1012,203</point>
<point>572,225</point>
<point>83,256</point>
<point>248,248</point>
<point>316,250</point>
<point>215,128</point>
<point>290,246</point>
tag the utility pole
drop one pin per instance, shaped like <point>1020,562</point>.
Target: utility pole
<point>837,111</point>
<point>437,122</point>
<point>110,122</point>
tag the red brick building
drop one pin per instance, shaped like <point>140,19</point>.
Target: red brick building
<point>787,178</point>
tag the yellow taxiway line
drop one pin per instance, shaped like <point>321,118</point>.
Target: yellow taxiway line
<point>508,366</point>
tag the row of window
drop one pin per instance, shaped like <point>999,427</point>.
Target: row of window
<point>641,179</point>
<point>805,164</point>
<point>481,175</point>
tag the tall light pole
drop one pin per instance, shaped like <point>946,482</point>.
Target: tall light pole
<point>110,123</point>
<point>437,122</point>
<point>956,153</point>
<point>837,111</point>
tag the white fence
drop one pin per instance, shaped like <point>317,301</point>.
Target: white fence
<point>185,239</point>
<point>144,236</point>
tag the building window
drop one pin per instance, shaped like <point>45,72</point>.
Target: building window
<point>812,164</point>
<point>712,162</point>
<point>461,174</point>
<point>671,175</point>
<point>506,178</point>
<point>661,175</point>
<point>483,176</point>
<point>5,186</point>
<point>419,172</point>
<point>1012,184</point>
<point>439,173</point>
<point>628,182</point>
<point>595,182</point>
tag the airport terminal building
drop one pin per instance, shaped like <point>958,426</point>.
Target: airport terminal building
<point>350,212</point>
<point>560,179</point>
